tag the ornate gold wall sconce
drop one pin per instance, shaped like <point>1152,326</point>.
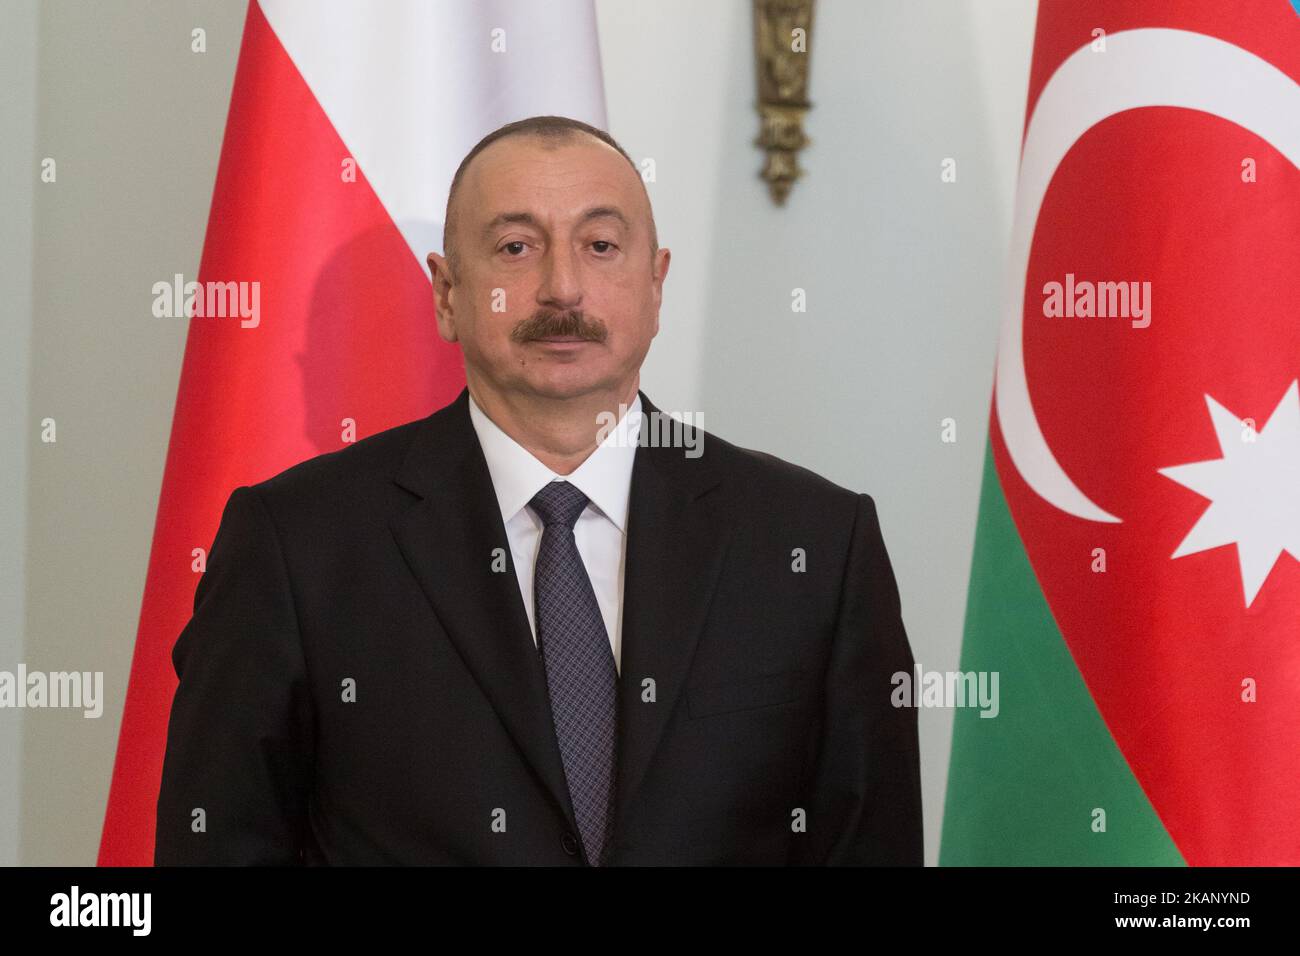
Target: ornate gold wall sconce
<point>782,31</point>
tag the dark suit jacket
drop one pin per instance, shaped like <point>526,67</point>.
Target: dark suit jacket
<point>754,715</point>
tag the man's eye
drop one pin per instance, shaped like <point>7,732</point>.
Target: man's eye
<point>509,246</point>
<point>603,242</point>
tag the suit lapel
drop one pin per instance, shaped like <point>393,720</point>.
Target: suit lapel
<point>677,533</point>
<point>448,539</point>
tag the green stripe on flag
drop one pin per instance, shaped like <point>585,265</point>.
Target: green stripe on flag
<point>1023,786</point>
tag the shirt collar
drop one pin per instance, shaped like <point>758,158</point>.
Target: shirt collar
<point>605,477</point>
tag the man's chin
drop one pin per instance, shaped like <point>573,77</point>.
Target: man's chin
<point>568,384</point>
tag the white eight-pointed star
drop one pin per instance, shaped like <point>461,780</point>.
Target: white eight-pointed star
<point>1254,490</point>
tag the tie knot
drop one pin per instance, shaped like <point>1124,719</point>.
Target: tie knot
<point>559,503</point>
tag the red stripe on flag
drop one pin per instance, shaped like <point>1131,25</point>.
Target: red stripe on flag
<point>1196,679</point>
<point>346,330</point>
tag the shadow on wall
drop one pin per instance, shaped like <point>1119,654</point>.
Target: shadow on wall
<point>355,361</point>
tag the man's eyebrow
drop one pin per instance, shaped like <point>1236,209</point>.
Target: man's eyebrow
<point>528,219</point>
<point>525,218</point>
<point>605,212</point>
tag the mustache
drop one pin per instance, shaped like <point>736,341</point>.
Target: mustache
<point>547,324</point>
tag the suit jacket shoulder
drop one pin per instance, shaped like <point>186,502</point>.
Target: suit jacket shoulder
<point>776,475</point>
<point>370,461</point>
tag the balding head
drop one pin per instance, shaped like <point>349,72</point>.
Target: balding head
<point>552,275</point>
<point>549,132</point>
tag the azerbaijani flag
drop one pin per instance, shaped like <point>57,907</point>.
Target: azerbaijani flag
<point>1136,580</point>
<point>347,120</point>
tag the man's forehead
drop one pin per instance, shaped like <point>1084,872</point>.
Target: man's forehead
<point>513,170</point>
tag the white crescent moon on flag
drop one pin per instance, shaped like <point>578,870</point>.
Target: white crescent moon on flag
<point>1139,68</point>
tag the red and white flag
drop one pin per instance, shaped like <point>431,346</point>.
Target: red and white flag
<point>347,120</point>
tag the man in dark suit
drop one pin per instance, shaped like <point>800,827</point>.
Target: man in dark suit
<point>528,629</point>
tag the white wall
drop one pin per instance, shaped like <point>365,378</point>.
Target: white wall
<point>902,274</point>
<point>18,123</point>
<point>134,121</point>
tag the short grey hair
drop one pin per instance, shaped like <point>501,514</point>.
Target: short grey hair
<point>553,130</point>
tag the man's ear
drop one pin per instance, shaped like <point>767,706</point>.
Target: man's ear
<point>662,258</point>
<point>440,272</point>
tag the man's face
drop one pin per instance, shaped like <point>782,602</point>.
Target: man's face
<point>556,293</point>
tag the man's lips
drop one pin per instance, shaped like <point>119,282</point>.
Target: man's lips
<point>560,339</point>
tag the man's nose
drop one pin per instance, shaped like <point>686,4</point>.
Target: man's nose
<point>561,283</point>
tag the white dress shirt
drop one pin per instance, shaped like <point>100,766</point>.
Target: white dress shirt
<point>601,530</point>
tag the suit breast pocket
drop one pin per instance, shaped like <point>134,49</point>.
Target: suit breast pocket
<point>745,693</point>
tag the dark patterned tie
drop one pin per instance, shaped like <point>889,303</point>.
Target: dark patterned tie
<point>579,662</point>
